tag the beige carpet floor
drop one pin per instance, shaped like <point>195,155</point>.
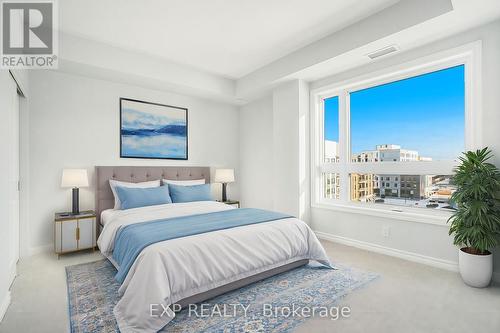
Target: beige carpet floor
<point>408,297</point>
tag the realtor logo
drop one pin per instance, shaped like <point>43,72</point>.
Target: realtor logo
<point>29,38</point>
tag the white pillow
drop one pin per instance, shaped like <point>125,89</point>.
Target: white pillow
<point>115,183</point>
<point>184,182</point>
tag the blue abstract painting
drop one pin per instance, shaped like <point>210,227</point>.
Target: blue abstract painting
<point>151,130</point>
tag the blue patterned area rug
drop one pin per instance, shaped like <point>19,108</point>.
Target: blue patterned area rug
<point>93,292</point>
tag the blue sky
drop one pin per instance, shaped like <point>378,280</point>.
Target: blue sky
<point>424,113</point>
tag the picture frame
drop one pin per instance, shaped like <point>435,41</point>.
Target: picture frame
<point>151,130</point>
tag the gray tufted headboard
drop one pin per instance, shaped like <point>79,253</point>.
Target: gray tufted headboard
<point>104,197</point>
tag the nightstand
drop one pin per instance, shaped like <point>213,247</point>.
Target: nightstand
<point>74,232</point>
<point>234,203</point>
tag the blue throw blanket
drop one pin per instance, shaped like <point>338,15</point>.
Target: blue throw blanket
<point>132,239</point>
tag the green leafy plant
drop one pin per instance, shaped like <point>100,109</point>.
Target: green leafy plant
<point>476,222</point>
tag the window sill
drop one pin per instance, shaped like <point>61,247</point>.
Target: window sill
<point>438,218</point>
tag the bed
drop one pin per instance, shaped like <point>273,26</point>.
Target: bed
<point>193,268</point>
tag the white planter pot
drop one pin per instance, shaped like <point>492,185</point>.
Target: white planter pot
<point>476,270</point>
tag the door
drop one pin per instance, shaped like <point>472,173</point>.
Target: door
<point>9,150</point>
<point>86,233</point>
<point>14,180</point>
<point>69,235</point>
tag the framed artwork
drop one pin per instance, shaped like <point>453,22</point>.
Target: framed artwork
<point>152,130</point>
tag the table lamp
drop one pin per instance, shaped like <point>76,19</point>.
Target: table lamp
<point>75,178</point>
<point>224,176</point>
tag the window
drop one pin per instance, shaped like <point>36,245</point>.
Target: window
<point>393,140</point>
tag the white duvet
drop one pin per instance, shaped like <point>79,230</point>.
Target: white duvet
<point>169,271</point>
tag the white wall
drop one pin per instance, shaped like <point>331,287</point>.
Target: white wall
<point>290,150</point>
<point>74,123</point>
<point>273,149</point>
<point>285,148</point>
<point>256,154</point>
<point>422,239</point>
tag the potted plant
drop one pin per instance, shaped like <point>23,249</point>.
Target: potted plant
<point>476,221</point>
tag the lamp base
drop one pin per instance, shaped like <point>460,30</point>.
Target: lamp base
<point>224,195</point>
<point>76,205</point>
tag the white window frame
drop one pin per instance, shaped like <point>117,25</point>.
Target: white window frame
<point>468,55</point>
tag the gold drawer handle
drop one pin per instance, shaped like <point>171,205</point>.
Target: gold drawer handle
<point>77,233</point>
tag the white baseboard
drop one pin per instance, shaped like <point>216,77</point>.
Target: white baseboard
<point>34,250</point>
<point>410,256</point>
<point>4,305</point>
<point>496,277</point>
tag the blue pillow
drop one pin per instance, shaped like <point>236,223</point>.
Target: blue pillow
<point>131,197</point>
<point>180,193</point>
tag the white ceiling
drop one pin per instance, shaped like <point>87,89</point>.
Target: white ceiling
<point>466,14</point>
<point>225,37</point>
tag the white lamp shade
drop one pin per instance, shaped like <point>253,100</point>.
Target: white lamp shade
<point>224,175</point>
<point>74,178</point>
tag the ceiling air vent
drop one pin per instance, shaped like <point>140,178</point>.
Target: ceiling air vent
<point>383,52</point>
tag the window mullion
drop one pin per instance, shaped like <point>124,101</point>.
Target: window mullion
<point>344,144</point>
<point>320,149</point>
